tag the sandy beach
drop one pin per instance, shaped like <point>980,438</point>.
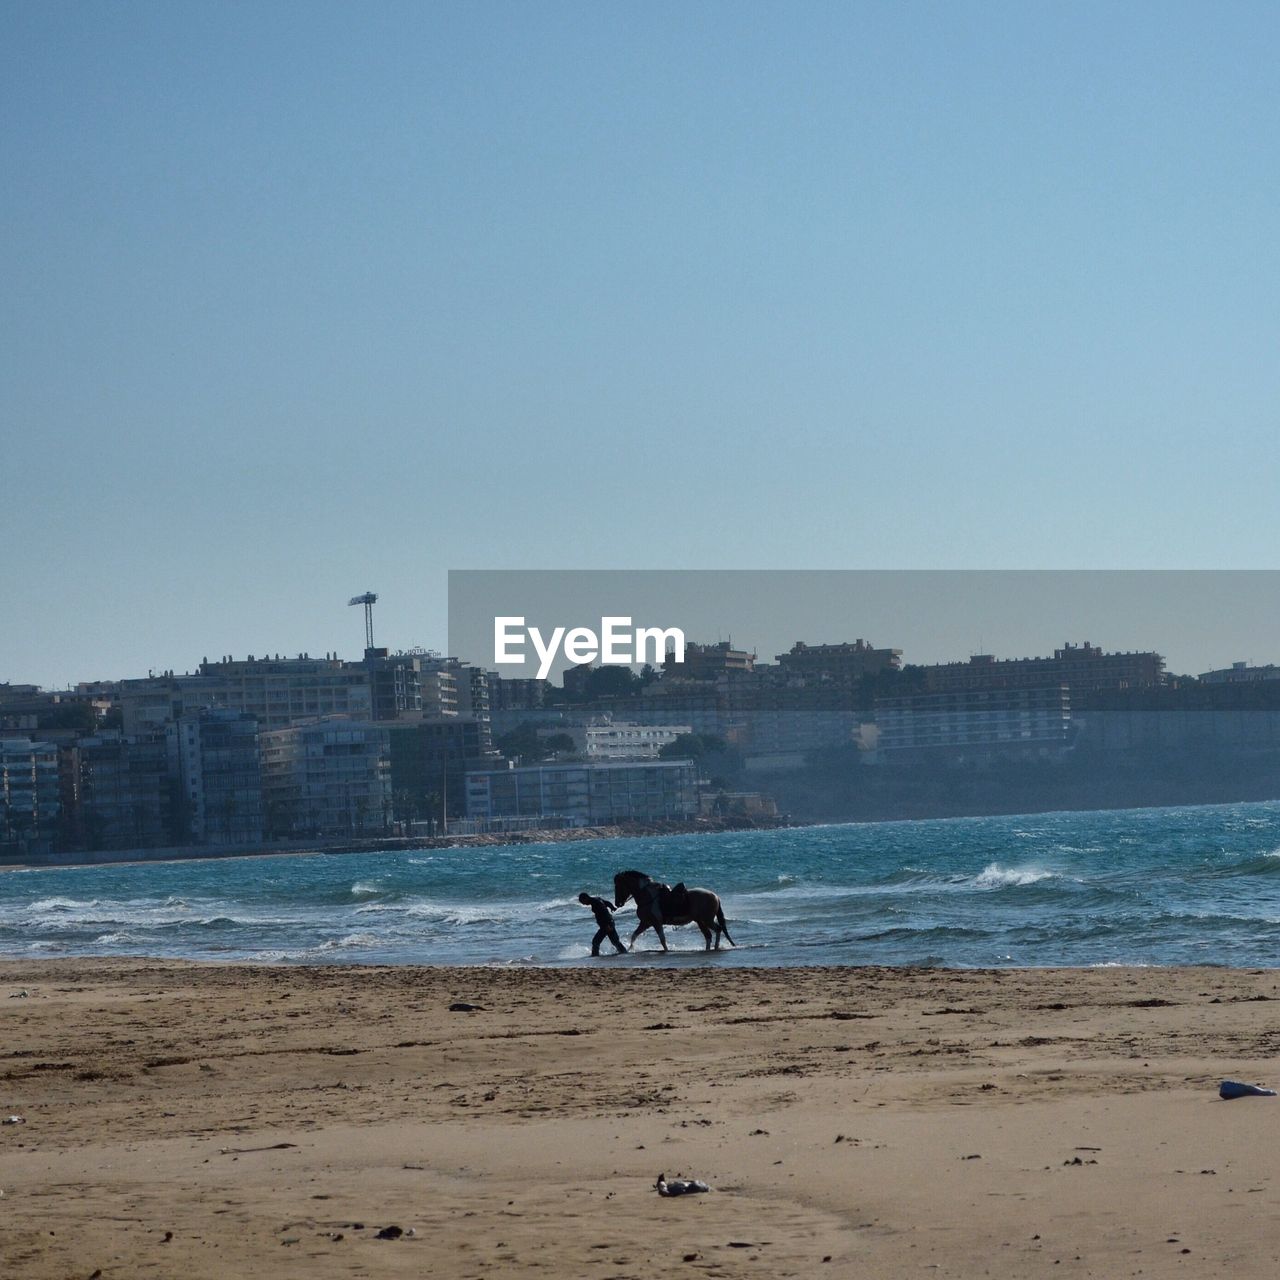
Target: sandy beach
<point>235,1121</point>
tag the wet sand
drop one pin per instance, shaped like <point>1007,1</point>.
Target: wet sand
<point>246,1121</point>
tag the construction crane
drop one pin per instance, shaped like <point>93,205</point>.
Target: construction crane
<point>369,599</point>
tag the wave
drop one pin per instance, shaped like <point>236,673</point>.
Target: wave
<point>1262,864</point>
<point>1165,886</point>
<point>995,876</point>
<point>364,940</point>
<point>63,904</point>
<point>464,914</point>
<point>467,913</point>
<point>907,932</point>
<point>783,882</point>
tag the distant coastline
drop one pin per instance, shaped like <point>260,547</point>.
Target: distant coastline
<point>394,844</point>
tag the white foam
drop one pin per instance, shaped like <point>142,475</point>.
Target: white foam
<point>63,904</point>
<point>997,877</point>
<point>463,914</point>
<point>351,940</point>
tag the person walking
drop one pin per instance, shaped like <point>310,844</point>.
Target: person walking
<point>602,909</point>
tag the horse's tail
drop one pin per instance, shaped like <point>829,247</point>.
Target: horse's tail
<point>720,922</point>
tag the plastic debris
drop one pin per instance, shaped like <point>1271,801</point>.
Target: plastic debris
<point>14,1120</point>
<point>1229,1089</point>
<point>679,1186</point>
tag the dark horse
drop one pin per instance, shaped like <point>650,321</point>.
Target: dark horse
<point>658,904</point>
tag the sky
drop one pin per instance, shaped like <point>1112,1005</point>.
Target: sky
<point>303,300</point>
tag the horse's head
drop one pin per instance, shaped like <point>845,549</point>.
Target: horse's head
<point>625,883</point>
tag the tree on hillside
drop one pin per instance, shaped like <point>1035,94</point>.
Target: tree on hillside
<point>526,745</point>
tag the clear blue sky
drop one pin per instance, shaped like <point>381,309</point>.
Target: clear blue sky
<point>299,300</point>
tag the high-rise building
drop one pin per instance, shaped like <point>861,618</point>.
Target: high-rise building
<point>1084,668</point>
<point>214,756</point>
<point>327,777</point>
<point>282,691</point>
<point>29,793</point>
<point>455,688</point>
<point>848,661</point>
<point>586,794</point>
<point>150,703</point>
<point>429,762</point>
<point>708,661</point>
<point>1003,722</point>
<point>121,792</point>
<point>520,694</point>
<point>275,691</point>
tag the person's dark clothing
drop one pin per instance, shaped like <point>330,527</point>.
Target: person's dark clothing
<point>602,909</point>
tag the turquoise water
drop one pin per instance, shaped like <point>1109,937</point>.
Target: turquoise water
<point>1143,886</point>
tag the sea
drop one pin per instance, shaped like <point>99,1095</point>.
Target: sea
<point>1135,887</point>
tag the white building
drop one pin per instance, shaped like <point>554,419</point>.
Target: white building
<point>607,739</point>
<point>1241,673</point>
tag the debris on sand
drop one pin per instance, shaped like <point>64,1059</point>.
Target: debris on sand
<point>1229,1089</point>
<point>679,1186</point>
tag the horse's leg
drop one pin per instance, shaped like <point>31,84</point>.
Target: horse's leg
<point>707,926</point>
<point>640,928</point>
<point>662,937</point>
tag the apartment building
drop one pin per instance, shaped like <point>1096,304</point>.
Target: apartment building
<point>1241,673</point>
<point>121,792</point>
<point>282,691</point>
<point>30,801</point>
<point>327,777</point>
<point>848,661</point>
<point>608,739</point>
<point>976,722</point>
<point>429,762</point>
<point>1084,668</point>
<point>214,756</point>
<point>708,661</point>
<point>584,794</point>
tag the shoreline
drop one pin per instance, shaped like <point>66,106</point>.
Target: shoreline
<point>218,1120</point>
<point>548,835</point>
<point>396,844</point>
